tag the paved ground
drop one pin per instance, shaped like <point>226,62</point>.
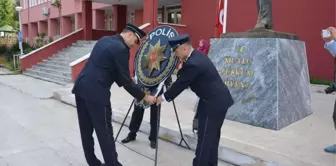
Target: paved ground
<point>4,71</point>
<point>301,143</point>
<point>33,87</point>
<point>37,132</point>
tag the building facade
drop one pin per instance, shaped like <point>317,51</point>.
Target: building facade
<point>196,17</point>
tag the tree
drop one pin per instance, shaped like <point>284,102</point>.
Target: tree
<point>7,13</point>
<point>16,16</point>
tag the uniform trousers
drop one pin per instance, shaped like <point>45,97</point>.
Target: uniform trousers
<point>93,116</point>
<point>136,120</point>
<point>209,132</point>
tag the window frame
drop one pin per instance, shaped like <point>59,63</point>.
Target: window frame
<point>173,9</point>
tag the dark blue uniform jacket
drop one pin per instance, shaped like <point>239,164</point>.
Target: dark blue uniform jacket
<point>108,63</point>
<point>200,74</point>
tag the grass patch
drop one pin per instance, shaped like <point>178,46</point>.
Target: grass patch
<point>320,81</point>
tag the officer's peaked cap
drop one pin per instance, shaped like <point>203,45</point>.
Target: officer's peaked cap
<point>178,40</point>
<point>138,32</point>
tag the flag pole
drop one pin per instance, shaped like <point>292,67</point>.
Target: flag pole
<point>225,16</point>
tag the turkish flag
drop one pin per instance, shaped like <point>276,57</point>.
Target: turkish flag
<point>220,18</point>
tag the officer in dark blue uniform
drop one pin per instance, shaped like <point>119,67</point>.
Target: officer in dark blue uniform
<point>108,63</point>
<point>200,74</point>
<point>137,117</point>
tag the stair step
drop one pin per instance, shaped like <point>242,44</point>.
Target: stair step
<point>86,42</point>
<point>83,44</point>
<point>56,67</point>
<point>59,57</point>
<point>69,55</point>
<point>52,71</point>
<point>71,58</point>
<point>81,49</point>
<point>74,53</point>
<point>63,60</point>
<point>50,76</point>
<point>44,78</point>
<point>64,64</point>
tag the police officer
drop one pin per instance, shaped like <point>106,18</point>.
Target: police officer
<point>137,117</point>
<point>108,63</point>
<point>200,74</point>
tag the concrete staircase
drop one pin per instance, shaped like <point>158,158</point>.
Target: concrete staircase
<point>56,68</point>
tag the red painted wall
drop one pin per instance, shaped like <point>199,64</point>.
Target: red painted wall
<point>76,69</point>
<point>307,19</point>
<point>200,25</point>
<point>138,17</point>
<point>97,34</point>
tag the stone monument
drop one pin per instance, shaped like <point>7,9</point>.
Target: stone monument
<point>266,72</point>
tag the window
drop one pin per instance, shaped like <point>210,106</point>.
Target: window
<point>171,17</point>
<point>131,18</point>
<point>160,16</point>
<point>174,15</point>
<point>72,20</point>
<point>25,4</point>
<point>178,17</point>
<point>32,3</point>
<point>36,2</point>
<point>58,27</point>
<point>108,20</point>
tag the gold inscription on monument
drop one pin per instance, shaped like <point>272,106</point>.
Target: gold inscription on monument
<point>237,71</point>
<point>236,84</point>
<point>239,61</point>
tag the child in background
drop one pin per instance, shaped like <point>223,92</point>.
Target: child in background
<point>203,46</point>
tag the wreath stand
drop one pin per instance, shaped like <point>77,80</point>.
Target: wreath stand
<point>157,135</point>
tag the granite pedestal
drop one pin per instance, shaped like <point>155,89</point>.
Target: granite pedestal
<point>267,77</point>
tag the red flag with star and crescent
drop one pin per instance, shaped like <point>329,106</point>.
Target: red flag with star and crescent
<point>220,17</point>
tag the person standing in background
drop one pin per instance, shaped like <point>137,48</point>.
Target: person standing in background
<point>203,46</point>
<point>330,45</point>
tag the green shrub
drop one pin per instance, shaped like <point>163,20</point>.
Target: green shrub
<point>15,49</point>
<point>3,49</point>
<point>27,50</point>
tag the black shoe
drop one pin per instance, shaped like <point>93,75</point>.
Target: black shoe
<point>153,144</point>
<point>102,164</point>
<point>128,139</point>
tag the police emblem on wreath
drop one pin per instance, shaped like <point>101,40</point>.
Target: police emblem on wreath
<point>155,61</point>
